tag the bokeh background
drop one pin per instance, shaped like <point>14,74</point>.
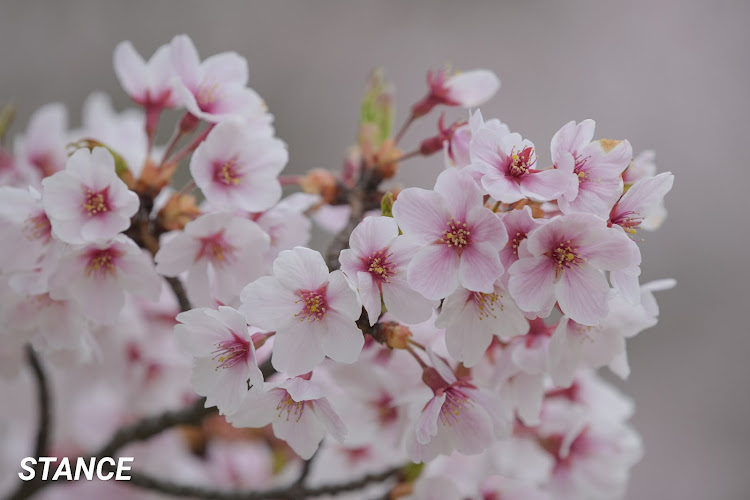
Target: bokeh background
<point>672,75</point>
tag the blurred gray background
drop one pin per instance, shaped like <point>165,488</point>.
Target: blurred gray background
<point>669,75</point>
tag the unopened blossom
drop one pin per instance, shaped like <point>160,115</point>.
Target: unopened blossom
<point>298,411</point>
<point>224,366</point>
<point>41,152</point>
<point>215,88</point>
<point>96,277</point>
<point>220,252</point>
<point>312,311</point>
<point>505,165</point>
<point>471,319</point>
<point>376,262</point>
<point>459,417</point>
<point>564,264</point>
<point>460,237</point>
<point>149,83</point>
<point>594,168</point>
<point>237,169</point>
<point>87,202</point>
<point>467,89</point>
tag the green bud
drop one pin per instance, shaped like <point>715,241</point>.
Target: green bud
<point>7,114</point>
<point>386,204</point>
<point>376,111</point>
<point>412,471</point>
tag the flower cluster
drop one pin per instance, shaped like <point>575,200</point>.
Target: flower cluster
<point>458,327</point>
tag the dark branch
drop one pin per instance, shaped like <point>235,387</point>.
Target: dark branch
<point>292,492</point>
<point>179,293</point>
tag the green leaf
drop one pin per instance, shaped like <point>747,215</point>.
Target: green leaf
<point>377,110</point>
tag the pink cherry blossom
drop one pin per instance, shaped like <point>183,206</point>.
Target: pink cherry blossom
<point>594,168</point>
<point>312,311</point>
<point>460,417</point>
<point>224,366</point>
<point>87,202</point>
<point>471,319</point>
<point>504,163</point>
<point>215,88</point>
<point>24,223</point>
<point>564,263</point>
<point>96,277</point>
<point>149,83</point>
<point>376,263</point>
<point>286,224</point>
<point>40,152</point>
<point>643,165</point>
<point>467,89</point>
<point>518,224</point>
<point>221,253</point>
<point>237,169</point>
<point>298,411</point>
<point>461,238</point>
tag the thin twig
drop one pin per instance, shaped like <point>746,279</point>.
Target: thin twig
<point>292,492</point>
<point>306,467</point>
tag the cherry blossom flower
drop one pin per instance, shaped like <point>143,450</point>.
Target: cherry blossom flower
<point>312,311</point>
<point>471,319</point>
<point>96,277</point>
<point>467,89</point>
<point>376,263</point>
<point>518,224</point>
<point>504,163</point>
<point>641,166</point>
<point>221,254</point>
<point>461,238</point>
<point>40,152</point>
<point>298,411</point>
<point>460,417</point>
<point>215,88</point>
<point>149,83</point>
<point>23,222</point>
<point>87,202</point>
<point>236,169</point>
<point>286,224</point>
<point>593,167</point>
<point>564,263</point>
<point>224,366</point>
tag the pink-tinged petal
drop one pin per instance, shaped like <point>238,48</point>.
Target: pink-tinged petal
<point>611,249</point>
<point>499,413</point>
<point>269,305</point>
<point>487,228</point>
<point>197,332</point>
<point>226,68</point>
<point>442,367</point>
<point>100,300</point>
<point>302,390</point>
<point>460,192</point>
<point>501,187</point>
<point>531,283</point>
<point>645,194</point>
<point>370,294</point>
<point>572,138</point>
<point>528,394</point>
<point>256,193</point>
<point>547,184</point>
<point>131,70</point>
<point>301,269</point>
<point>405,304</point>
<point>421,214</point>
<point>226,391</point>
<point>427,424</point>
<point>351,264</point>
<point>607,158</point>
<point>303,434</point>
<point>480,267</point>
<point>257,410</point>
<point>467,339</point>
<point>198,286</point>
<point>296,349</point>
<point>486,147</point>
<point>342,296</point>
<point>176,254</point>
<point>61,196</point>
<point>594,197</point>
<point>472,431</point>
<point>373,234</point>
<point>342,340</point>
<point>473,88</point>
<point>582,293</point>
<point>626,282</point>
<point>185,60</point>
<point>325,414</point>
<point>433,271</point>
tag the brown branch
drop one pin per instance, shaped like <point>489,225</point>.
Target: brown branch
<point>293,492</point>
<point>43,427</point>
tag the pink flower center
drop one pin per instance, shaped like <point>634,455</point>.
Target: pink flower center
<point>629,221</point>
<point>101,262</point>
<point>95,203</point>
<point>38,227</point>
<point>293,409</point>
<point>487,304</point>
<point>456,401</point>
<point>566,256</point>
<point>227,173</point>
<point>521,163</point>
<point>231,352</point>
<point>216,249</point>
<point>44,163</point>
<point>208,94</point>
<point>387,412</point>
<point>516,242</point>
<point>578,168</point>
<point>314,304</point>
<point>457,235</point>
<point>380,266</point>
